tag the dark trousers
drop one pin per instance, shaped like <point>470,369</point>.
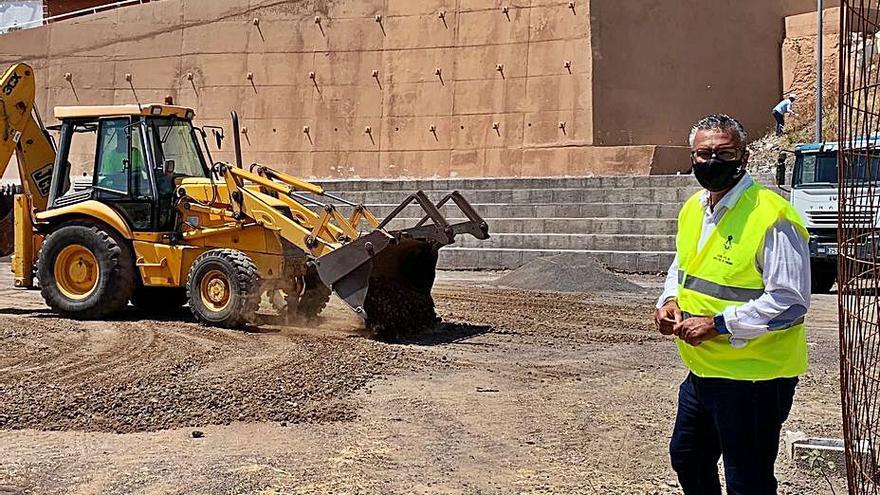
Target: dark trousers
<point>739,420</point>
<point>780,122</point>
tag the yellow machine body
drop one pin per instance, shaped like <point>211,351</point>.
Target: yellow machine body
<point>281,235</point>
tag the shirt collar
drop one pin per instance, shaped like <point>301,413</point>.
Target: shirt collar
<point>730,199</point>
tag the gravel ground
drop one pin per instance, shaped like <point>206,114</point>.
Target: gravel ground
<point>517,392</point>
<point>150,375</point>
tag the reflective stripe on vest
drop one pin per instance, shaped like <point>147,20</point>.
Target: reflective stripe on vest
<point>717,291</point>
<point>723,273</point>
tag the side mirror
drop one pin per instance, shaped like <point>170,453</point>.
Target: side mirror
<point>780,168</point>
<point>168,167</point>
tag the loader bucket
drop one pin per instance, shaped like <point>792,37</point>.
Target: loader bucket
<point>387,276</point>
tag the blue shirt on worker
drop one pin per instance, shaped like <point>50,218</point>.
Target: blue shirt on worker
<point>783,107</point>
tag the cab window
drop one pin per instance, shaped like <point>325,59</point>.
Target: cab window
<point>112,157</point>
<point>140,178</point>
<point>174,141</point>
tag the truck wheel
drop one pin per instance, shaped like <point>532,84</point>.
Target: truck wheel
<point>824,275</point>
<point>86,271</point>
<point>159,300</point>
<point>223,288</point>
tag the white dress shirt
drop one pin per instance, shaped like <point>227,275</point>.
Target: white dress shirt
<point>784,264</point>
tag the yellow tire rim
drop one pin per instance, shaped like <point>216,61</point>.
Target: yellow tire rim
<point>214,290</point>
<point>76,272</point>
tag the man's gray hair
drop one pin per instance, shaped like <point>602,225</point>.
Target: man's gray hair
<point>720,122</point>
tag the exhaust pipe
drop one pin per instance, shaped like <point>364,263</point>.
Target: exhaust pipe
<point>236,139</point>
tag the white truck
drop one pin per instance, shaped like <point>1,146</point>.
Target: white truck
<point>814,194</point>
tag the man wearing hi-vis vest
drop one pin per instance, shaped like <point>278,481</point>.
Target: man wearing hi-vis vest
<point>735,299</point>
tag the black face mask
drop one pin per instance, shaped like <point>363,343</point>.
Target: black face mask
<point>717,175</point>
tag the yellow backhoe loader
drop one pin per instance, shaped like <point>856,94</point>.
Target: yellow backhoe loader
<point>160,225</point>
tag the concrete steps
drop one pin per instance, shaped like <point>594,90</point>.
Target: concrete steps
<point>558,241</point>
<point>627,223</point>
<point>565,225</point>
<point>458,258</point>
<point>575,210</point>
<point>533,196</point>
<point>509,183</point>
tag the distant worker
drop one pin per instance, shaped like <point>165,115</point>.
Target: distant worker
<point>735,298</point>
<point>780,110</point>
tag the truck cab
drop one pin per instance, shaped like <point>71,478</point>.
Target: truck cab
<point>814,194</point>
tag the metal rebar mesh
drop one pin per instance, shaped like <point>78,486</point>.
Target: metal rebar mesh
<point>858,275</point>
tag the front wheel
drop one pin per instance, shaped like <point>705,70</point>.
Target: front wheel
<point>223,288</point>
<point>86,271</point>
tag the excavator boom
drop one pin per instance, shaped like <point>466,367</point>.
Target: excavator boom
<point>22,134</point>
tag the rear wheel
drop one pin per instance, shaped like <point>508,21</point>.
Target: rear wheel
<point>159,300</point>
<point>223,288</point>
<point>86,271</point>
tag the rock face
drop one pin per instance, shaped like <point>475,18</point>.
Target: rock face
<point>799,56</point>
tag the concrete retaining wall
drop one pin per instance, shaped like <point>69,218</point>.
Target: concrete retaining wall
<point>429,88</point>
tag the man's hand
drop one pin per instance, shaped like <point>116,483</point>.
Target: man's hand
<point>667,317</point>
<point>696,330</point>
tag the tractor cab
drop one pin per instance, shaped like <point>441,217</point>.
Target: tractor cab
<point>130,157</point>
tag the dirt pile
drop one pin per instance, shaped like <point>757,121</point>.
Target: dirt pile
<point>567,272</point>
<point>403,310</point>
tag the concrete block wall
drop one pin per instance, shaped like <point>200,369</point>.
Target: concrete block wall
<point>363,88</point>
<point>584,88</point>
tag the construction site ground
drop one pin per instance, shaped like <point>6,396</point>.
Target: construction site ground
<point>517,392</point>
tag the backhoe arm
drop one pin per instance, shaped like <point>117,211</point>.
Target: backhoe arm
<point>22,133</point>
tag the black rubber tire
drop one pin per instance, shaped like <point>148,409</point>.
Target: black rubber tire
<point>244,298</point>
<point>823,277</point>
<point>159,300</point>
<point>116,280</point>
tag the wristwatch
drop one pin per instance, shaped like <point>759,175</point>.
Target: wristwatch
<point>719,323</point>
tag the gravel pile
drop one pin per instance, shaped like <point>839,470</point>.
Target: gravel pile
<point>567,272</point>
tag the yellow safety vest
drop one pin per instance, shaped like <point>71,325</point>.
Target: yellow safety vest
<point>722,274</point>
